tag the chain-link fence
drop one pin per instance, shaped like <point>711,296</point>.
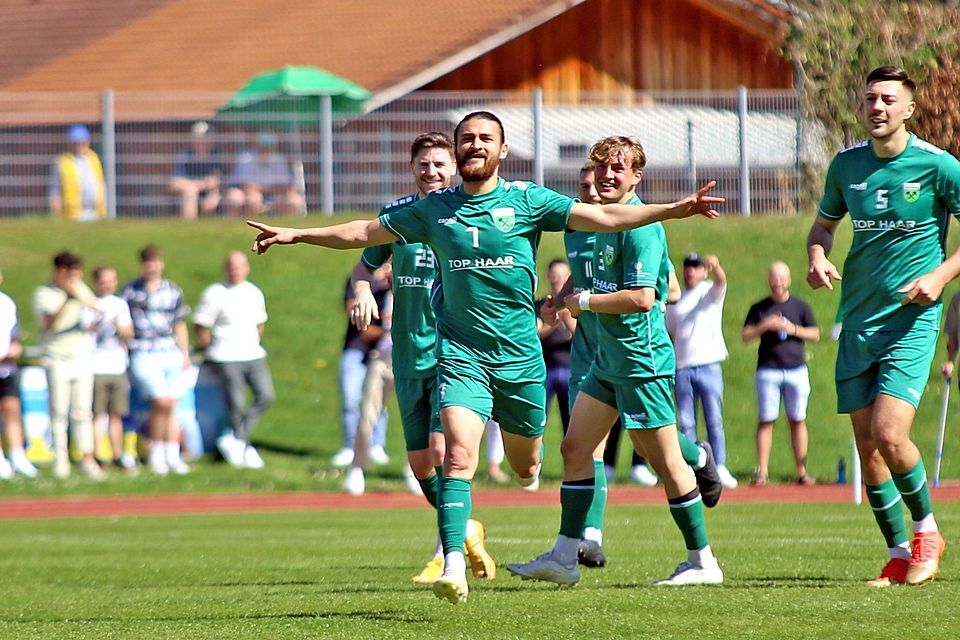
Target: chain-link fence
<point>176,154</point>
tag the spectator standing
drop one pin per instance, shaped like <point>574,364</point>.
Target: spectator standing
<point>695,324</point>
<point>262,181</point>
<point>113,329</point>
<point>158,355</point>
<point>77,189</point>
<point>229,324</point>
<point>196,175</point>
<point>555,340</point>
<point>10,409</point>
<point>65,309</point>
<point>782,322</point>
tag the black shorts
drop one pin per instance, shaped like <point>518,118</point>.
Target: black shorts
<point>10,385</point>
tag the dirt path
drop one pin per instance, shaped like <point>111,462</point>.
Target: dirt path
<point>180,504</point>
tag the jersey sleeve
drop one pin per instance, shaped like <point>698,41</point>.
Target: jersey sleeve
<point>407,223</point>
<point>375,257</point>
<point>642,256</point>
<point>948,183</point>
<point>551,210</point>
<point>832,205</point>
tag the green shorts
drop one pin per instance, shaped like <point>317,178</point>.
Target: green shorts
<point>515,397</point>
<point>895,363</point>
<point>643,404</point>
<point>417,399</point>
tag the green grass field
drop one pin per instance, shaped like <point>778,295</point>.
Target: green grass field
<point>304,284</point>
<point>793,571</point>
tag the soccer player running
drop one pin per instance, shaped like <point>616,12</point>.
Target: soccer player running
<point>898,191</point>
<point>415,340</point>
<point>631,378</point>
<point>484,235</point>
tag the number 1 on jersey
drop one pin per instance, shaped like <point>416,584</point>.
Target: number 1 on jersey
<point>476,236</point>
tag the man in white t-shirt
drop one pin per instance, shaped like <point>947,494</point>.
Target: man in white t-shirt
<point>10,409</point>
<point>111,386</point>
<point>229,323</point>
<point>695,324</point>
<point>65,309</point>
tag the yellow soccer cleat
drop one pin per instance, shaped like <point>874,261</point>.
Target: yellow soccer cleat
<point>431,572</point>
<point>481,562</point>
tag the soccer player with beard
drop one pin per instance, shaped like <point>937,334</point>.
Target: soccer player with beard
<point>414,334</point>
<point>484,235</point>
<point>630,378</point>
<point>898,191</point>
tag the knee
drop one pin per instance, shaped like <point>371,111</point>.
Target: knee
<point>571,449</point>
<point>459,458</point>
<point>163,405</point>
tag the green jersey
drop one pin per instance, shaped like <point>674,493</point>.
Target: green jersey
<point>414,328</point>
<point>583,348</point>
<point>486,251</point>
<point>899,209</point>
<point>633,345</point>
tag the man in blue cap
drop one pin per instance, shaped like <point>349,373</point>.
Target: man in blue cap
<point>77,189</point>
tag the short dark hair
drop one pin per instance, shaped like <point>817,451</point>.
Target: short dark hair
<point>557,261</point>
<point>100,269</point>
<point>150,252</point>
<point>892,73</point>
<point>67,260</point>
<point>480,115</point>
<point>432,140</point>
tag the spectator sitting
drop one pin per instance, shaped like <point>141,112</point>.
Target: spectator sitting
<point>77,190</point>
<point>262,181</point>
<point>196,175</point>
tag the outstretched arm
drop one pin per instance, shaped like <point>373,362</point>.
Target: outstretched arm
<point>621,217</point>
<point>349,235</point>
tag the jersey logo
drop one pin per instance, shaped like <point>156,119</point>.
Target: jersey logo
<point>447,221</point>
<point>608,255</point>
<point>911,192</point>
<point>503,218</point>
<point>858,186</point>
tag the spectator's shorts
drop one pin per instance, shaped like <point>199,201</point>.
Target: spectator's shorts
<point>793,384</point>
<point>895,363</point>
<point>515,397</point>
<point>10,384</point>
<point>417,399</point>
<point>111,395</point>
<point>643,404</point>
<point>157,373</point>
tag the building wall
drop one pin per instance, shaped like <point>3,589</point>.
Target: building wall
<point>613,46</point>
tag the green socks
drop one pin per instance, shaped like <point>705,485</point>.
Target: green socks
<point>887,508</point>
<point>595,513</point>
<point>687,512</point>
<point>576,496</point>
<point>689,449</point>
<point>915,491</point>
<point>430,486</point>
<point>453,511</point>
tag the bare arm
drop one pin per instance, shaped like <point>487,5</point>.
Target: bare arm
<point>621,217</point>
<point>183,341</point>
<point>927,289</point>
<point>779,323</point>
<point>821,272</point>
<point>203,336</point>
<point>673,288</point>
<point>364,309</point>
<point>349,235</point>
<point>619,302</point>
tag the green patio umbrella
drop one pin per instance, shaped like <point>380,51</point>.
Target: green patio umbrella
<point>290,98</point>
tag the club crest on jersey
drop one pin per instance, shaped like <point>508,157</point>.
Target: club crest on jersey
<point>503,218</point>
<point>911,192</point>
<point>608,255</point>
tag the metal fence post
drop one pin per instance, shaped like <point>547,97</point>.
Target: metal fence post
<point>109,141</point>
<point>538,135</point>
<point>326,155</point>
<point>691,159</point>
<point>744,164</point>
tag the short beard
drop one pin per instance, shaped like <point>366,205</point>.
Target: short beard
<point>469,174</point>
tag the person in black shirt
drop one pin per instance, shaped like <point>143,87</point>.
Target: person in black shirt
<point>782,323</point>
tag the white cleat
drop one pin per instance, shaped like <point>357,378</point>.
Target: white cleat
<point>726,478</point>
<point>641,474</point>
<point>354,483</point>
<point>688,573</point>
<point>251,458</point>
<point>547,569</point>
<point>453,589</point>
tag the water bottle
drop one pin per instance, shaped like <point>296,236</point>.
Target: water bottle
<point>842,471</point>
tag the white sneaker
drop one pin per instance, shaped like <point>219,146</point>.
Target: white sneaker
<point>92,470</point>
<point>342,458</point>
<point>379,456</point>
<point>61,468</point>
<point>545,568</point>
<point>231,449</point>
<point>20,464</point>
<point>690,573</point>
<point>6,471</point>
<point>610,473</point>
<point>128,462</point>
<point>640,474</point>
<point>726,478</point>
<point>413,485</point>
<point>178,466</point>
<point>354,483</point>
<point>251,458</point>
<point>158,465</point>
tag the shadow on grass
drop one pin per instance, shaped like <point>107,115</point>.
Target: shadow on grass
<point>388,615</point>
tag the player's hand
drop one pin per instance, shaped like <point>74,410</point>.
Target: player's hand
<point>822,273</point>
<point>549,311</point>
<point>270,236</point>
<point>698,203</point>
<point>365,309</point>
<point>947,369</point>
<point>572,304</point>
<point>924,291</point>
